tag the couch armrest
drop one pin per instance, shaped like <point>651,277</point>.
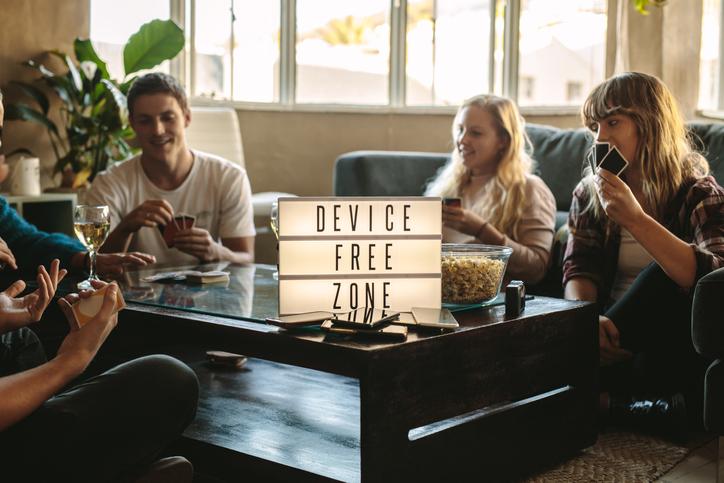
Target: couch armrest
<point>707,329</point>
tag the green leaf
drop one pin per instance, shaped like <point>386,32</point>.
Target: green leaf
<point>23,112</point>
<point>36,94</point>
<point>84,51</point>
<point>155,41</point>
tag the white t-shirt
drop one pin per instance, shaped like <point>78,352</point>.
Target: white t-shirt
<point>632,258</point>
<point>216,192</point>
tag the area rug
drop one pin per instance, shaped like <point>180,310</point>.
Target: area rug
<point>618,456</point>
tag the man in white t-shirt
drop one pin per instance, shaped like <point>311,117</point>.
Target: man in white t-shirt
<point>149,192</point>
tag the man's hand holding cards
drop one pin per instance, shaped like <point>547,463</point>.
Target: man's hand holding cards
<point>180,222</point>
<point>81,308</point>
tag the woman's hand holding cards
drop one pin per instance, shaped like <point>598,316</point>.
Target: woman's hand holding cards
<point>82,343</point>
<point>21,311</point>
<point>617,199</point>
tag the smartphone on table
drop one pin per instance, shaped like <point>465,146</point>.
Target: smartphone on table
<point>365,318</point>
<point>299,320</point>
<point>389,332</point>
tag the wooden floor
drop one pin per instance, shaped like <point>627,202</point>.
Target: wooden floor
<point>698,467</point>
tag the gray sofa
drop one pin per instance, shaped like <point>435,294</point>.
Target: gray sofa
<point>560,154</point>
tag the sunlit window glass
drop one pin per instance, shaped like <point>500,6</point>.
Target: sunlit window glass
<point>213,39</point>
<point>709,96</point>
<point>343,51</point>
<point>256,50</point>
<point>113,22</point>
<point>562,50</point>
<point>448,50</point>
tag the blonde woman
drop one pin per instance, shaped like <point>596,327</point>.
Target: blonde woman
<point>638,243</point>
<point>502,202</point>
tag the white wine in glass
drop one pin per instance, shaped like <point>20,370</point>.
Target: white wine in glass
<point>91,225</point>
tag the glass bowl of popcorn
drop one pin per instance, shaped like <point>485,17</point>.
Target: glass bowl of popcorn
<point>472,274</point>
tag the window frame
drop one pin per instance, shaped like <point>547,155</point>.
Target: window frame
<point>183,66</point>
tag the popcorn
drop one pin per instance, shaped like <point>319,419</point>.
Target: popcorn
<point>469,279</point>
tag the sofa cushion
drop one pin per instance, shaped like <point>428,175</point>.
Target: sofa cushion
<point>385,173</point>
<point>560,156</point>
<point>709,140</point>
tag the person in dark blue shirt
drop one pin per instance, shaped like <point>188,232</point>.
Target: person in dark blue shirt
<point>108,427</point>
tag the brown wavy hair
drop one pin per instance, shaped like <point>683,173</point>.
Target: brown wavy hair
<point>665,149</point>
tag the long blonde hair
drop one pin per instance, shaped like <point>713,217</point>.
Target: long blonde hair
<point>665,149</point>
<point>501,205</point>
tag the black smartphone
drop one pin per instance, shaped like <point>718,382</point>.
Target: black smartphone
<point>614,161</point>
<point>390,332</point>
<point>364,318</point>
<point>299,320</point>
<point>456,202</point>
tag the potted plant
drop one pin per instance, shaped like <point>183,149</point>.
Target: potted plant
<point>94,128</point>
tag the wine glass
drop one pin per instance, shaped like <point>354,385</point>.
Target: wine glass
<point>91,225</point>
<point>274,219</point>
<point>274,223</point>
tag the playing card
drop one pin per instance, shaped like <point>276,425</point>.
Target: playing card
<point>169,232</point>
<point>614,161</point>
<point>601,150</point>
<point>85,309</point>
<point>184,221</point>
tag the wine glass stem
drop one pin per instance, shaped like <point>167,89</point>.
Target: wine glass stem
<point>92,269</point>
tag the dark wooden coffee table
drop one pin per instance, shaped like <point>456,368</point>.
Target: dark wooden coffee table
<point>493,399</point>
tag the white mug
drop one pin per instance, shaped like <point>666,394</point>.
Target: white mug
<point>25,177</point>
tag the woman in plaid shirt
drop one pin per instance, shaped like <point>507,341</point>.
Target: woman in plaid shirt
<point>638,243</point>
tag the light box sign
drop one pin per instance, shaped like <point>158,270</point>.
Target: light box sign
<point>338,254</point>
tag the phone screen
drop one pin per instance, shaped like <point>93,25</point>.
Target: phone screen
<point>393,332</point>
<point>365,318</point>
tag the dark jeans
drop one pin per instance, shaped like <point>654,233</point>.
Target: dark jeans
<point>107,427</point>
<point>654,319</point>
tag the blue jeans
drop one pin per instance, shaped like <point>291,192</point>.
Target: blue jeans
<point>102,429</point>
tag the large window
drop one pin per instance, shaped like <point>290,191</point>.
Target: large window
<point>376,52</point>
<point>710,77</point>
<point>112,22</point>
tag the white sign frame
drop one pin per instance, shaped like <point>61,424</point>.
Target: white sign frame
<point>340,253</point>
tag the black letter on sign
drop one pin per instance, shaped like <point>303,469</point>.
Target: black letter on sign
<point>336,296</point>
<point>385,294</point>
<point>336,217</point>
<point>353,216</point>
<point>320,218</point>
<point>388,213</point>
<point>371,256</point>
<point>370,294</point>
<point>388,266</point>
<point>355,257</point>
<point>406,217</point>
<point>338,257</point>
<point>353,296</point>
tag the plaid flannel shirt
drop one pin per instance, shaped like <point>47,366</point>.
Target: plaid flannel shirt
<point>695,215</point>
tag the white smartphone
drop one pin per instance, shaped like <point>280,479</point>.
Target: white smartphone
<point>441,318</point>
